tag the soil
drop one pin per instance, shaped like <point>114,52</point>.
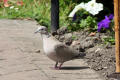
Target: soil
<point>99,56</point>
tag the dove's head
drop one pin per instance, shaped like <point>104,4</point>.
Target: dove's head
<point>42,30</point>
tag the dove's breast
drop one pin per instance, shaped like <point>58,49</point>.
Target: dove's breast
<point>49,48</point>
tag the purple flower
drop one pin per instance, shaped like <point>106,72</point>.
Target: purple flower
<point>74,18</point>
<point>111,16</point>
<point>104,23</point>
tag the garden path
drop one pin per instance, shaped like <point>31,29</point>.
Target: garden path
<point>20,61</point>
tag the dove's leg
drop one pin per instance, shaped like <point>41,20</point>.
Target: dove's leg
<point>56,65</point>
<point>60,65</point>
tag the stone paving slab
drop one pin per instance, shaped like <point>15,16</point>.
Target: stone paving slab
<point>19,60</point>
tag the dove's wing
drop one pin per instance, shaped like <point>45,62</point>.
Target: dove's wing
<point>65,53</point>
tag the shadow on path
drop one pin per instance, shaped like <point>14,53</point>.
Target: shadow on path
<point>74,68</point>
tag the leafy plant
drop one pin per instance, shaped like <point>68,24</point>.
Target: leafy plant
<point>110,40</point>
<point>74,37</point>
<point>36,9</point>
<point>82,20</point>
<point>91,23</point>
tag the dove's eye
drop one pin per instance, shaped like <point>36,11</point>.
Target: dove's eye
<point>42,29</point>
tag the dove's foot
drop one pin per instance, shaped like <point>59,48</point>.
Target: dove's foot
<point>58,67</point>
<point>55,68</point>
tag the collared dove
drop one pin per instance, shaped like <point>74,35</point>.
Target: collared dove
<point>55,50</point>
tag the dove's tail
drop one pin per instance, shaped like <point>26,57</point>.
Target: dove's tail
<point>80,55</point>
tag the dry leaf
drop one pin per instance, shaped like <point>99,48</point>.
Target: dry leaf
<point>92,34</point>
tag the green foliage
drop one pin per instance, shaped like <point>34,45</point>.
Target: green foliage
<point>74,37</point>
<point>38,10</point>
<point>42,13</point>
<point>90,23</point>
<point>82,20</point>
<point>110,40</point>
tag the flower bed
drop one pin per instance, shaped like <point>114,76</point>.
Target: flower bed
<point>89,16</point>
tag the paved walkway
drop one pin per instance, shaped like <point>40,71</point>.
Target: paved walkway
<point>19,60</point>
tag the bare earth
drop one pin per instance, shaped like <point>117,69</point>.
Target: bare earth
<point>20,61</point>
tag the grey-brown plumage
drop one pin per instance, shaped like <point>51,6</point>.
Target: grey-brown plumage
<point>55,50</point>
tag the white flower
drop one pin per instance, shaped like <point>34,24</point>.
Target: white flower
<point>81,5</point>
<point>11,7</point>
<point>78,7</point>
<point>16,9</point>
<point>93,7</point>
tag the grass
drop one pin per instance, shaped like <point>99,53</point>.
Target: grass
<point>35,9</point>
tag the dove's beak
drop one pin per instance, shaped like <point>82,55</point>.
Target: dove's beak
<point>37,31</point>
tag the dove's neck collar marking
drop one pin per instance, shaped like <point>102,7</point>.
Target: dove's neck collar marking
<point>46,35</point>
